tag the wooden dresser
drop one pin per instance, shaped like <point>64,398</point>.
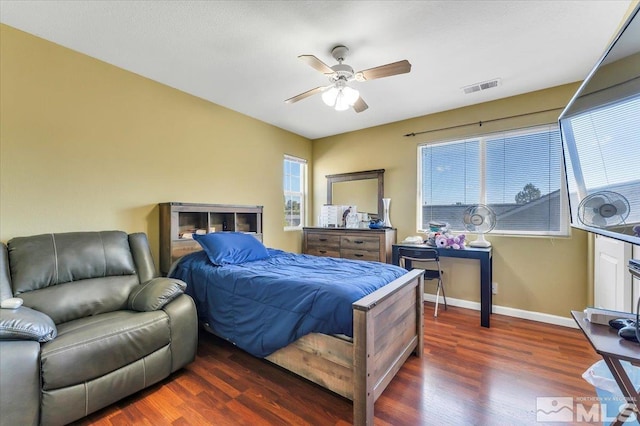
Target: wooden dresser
<point>359,244</point>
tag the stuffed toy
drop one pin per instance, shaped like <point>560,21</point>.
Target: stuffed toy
<point>441,241</point>
<point>431,238</point>
<point>458,242</point>
<point>445,240</point>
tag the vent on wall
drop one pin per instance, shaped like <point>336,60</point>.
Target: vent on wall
<point>477,87</point>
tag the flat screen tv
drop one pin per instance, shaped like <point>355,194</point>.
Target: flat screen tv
<point>600,130</point>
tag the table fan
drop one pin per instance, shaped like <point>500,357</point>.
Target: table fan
<point>479,219</point>
<point>603,209</point>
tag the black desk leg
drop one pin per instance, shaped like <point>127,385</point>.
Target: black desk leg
<point>486,295</point>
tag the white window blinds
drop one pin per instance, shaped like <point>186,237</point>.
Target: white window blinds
<point>517,173</point>
<point>605,161</point>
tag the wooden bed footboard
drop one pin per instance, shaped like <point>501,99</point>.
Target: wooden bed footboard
<point>387,328</point>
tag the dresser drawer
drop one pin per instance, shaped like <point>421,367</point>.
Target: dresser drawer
<point>323,240</point>
<point>323,251</point>
<point>320,244</point>
<point>360,254</point>
<point>349,243</point>
<point>360,243</point>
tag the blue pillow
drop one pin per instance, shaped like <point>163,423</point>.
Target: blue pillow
<point>230,248</point>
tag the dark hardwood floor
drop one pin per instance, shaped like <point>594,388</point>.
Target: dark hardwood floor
<point>469,375</point>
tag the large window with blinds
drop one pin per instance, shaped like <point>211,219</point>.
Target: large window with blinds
<point>519,174</point>
<point>294,185</point>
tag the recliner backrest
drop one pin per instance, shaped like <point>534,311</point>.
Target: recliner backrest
<point>73,275</point>
<point>5,278</point>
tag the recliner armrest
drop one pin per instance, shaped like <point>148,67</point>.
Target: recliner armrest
<point>19,382</point>
<point>155,293</point>
<point>26,324</point>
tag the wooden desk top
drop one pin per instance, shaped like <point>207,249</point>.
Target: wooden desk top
<point>605,340</point>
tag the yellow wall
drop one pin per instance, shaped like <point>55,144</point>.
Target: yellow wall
<point>88,146</point>
<point>546,275</point>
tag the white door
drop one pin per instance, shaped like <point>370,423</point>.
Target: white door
<point>612,280</point>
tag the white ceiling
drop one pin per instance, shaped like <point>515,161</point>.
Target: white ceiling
<point>243,54</point>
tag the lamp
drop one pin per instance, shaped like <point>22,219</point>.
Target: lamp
<point>340,96</point>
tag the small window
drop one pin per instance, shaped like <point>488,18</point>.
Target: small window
<point>295,192</point>
<point>519,174</point>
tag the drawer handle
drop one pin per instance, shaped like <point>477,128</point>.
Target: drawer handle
<point>322,239</point>
<point>322,251</point>
<point>358,242</point>
<point>358,255</point>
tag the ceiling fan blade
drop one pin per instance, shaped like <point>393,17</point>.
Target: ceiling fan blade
<point>400,67</point>
<point>360,105</point>
<point>306,94</point>
<point>316,64</point>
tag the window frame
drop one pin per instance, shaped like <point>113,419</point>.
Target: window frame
<point>302,193</point>
<point>564,219</point>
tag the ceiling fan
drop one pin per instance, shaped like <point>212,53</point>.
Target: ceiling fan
<point>338,94</point>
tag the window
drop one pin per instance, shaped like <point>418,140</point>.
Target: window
<point>295,177</point>
<point>519,174</point>
<point>604,142</point>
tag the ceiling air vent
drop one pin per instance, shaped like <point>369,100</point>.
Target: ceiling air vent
<point>481,86</point>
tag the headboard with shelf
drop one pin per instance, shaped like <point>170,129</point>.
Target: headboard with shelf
<point>179,221</point>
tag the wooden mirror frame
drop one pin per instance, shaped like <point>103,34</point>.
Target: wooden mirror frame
<point>367,174</point>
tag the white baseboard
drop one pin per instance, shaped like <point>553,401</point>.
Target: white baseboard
<point>503,310</point>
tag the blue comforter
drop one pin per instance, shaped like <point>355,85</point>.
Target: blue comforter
<point>264,305</point>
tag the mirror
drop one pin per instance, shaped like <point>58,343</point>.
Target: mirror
<point>362,189</point>
<point>360,193</point>
<point>600,129</point>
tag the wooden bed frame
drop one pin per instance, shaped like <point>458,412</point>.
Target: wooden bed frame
<point>387,327</point>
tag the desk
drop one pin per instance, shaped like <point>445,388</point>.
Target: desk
<point>484,255</point>
<point>612,348</point>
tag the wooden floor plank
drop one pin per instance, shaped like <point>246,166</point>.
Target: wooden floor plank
<point>468,375</point>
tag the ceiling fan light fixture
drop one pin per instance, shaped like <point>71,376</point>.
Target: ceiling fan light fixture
<point>340,98</point>
<point>350,95</point>
<point>337,94</point>
<point>329,96</point>
<point>341,105</point>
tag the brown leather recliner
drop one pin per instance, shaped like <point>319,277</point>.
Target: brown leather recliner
<point>96,325</point>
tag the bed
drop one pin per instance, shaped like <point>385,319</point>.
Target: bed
<point>236,281</point>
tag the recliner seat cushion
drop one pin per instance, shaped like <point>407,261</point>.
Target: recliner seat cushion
<point>91,347</point>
